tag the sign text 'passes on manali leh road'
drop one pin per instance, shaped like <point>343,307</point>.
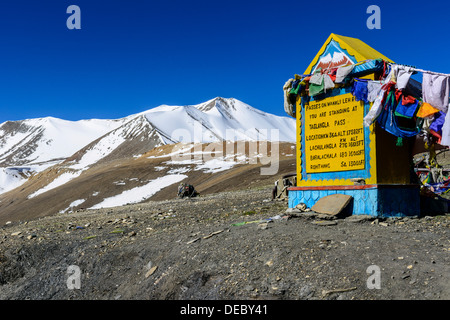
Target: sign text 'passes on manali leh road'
<point>334,134</point>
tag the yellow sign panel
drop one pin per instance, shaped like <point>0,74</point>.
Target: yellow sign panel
<point>334,134</point>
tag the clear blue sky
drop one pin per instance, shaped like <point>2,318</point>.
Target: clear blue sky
<point>130,56</point>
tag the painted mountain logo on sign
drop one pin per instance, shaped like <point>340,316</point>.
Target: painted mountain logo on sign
<point>334,57</point>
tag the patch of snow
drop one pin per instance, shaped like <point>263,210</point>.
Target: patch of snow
<point>104,147</point>
<point>11,178</point>
<point>178,170</point>
<point>14,177</point>
<point>59,181</point>
<point>72,205</point>
<point>76,203</point>
<point>215,165</point>
<point>141,193</point>
<point>177,149</point>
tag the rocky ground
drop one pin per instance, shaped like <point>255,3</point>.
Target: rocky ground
<point>222,247</point>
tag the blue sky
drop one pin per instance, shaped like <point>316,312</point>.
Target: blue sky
<point>130,56</point>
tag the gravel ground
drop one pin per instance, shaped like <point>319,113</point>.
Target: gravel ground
<point>221,247</point>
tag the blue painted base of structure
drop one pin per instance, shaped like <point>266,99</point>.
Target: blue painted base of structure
<point>374,200</point>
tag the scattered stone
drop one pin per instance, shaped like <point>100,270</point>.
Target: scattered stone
<point>263,226</point>
<point>327,292</point>
<point>325,222</point>
<point>306,292</point>
<point>193,240</point>
<point>293,211</point>
<point>151,271</point>
<point>359,218</point>
<point>325,216</point>
<point>212,234</point>
<point>269,263</point>
<point>14,234</point>
<point>302,207</point>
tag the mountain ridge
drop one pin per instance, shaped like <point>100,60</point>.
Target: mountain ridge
<point>119,155</point>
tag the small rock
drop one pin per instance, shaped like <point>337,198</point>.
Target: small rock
<point>16,233</point>
<point>359,218</point>
<point>325,222</point>
<point>132,234</point>
<point>193,240</point>
<point>325,216</point>
<point>293,211</point>
<point>263,226</point>
<point>151,271</point>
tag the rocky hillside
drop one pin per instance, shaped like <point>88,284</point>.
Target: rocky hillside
<point>155,175</point>
<point>230,245</point>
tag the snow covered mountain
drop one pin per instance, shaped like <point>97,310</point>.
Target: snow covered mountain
<point>46,141</point>
<point>33,145</point>
<point>48,157</point>
<point>37,141</point>
<point>219,119</point>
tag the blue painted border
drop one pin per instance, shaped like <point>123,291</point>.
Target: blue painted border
<point>377,201</point>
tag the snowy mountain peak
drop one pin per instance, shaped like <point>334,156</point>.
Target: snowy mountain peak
<point>224,105</point>
<point>219,119</point>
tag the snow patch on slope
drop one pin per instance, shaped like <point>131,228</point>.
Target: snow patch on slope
<point>100,150</point>
<point>141,193</point>
<point>11,178</point>
<point>59,181</point>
